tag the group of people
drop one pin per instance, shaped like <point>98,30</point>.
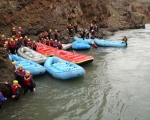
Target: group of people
<point>47,39</point>
<point>24,82</point>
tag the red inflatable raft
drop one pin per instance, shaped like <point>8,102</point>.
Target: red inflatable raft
<point>69,56</point>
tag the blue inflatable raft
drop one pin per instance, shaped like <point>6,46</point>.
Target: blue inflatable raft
<point>62,69</point>
<point>78,45</point>
<point>89,41</point>
<point>109,43</point>
<point>34,68</point>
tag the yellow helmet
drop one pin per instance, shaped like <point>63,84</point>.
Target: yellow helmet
<point>25,36</point>
<point>6,42</point>
<point>14,63</point>
<point>59,42</point>
<point>51,39</point>
<point>56,30</point>
<point>5,45</point>
<point>15,82</point>
<point>28,72</point>
<point>29,39</point>
<point>13,36</point>
<point>55,40</point>
<point>19,27</point>
<point>16,39</point>
<point>21,37</point>
<point>13,28</point>
<point>19,66</point>
<point>11,39</point>
<point>34,41</point>
<point>3,35</point>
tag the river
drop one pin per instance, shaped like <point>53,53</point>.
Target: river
<point>116,87</point>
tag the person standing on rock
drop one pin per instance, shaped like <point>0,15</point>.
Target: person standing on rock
<point>56,34</point>
<point>95,28</point>
<point>2,99</point>
<point>70,29</point>
<point>40,37</point>
<point>34,45</point>
<point>12,46</point>
<point>3,39</point>
<point>47,41</point>
<point>82,34</point>
<point>59,45</point>
<point>91,27</point>
<point>49,33</point>
<point>25,40</point>
<point>15,89</point>
<point>75,28</point>
<point>45,34</point>
<point>21,31</point>
<point>13,31</point>
<point>29,83</point>
<point>29,43</point>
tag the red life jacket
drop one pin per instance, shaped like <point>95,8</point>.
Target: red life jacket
<point>75,26</point>
<point>21,72</point>
<point>27,80</point>
<point>14,88</point>
<point>94,45</point>
<point>40,37</point>
<point>29,43</point>
<point>34,45</point>
<point>55,33</point>
<point>18,36</point>
<point>3,40</point>
<point>47,42</point>
<point>46,35</point>
<point>54,43</point>
<point>12,44</point>
<point>25,40</point>
<point>69,27</point>
<point>20,30</point>
<point>51,43</point>
<point>42,41</point>
<point>59,46</point>
<point>13,32</point>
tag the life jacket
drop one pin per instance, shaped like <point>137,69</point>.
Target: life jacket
<point>12,44</point>
<point>25,40</point>
<point>46,35</point>
<point>13,32</point>
<point>40,37</point>
<point>3,40</point>
<point>47,41</point>
<point>18,36</point>
<point>27,80</point>
<point>75,26</point>
<point>20,30</point>
<point>59,46</point>
<point>69,27</point>
<point>14,88</point>
<point>34,46</point>
<point>29,43</point>
<point>42,41</point>
<point>94,45</point>
<point>51,42</point>
<point>55,44</point>
<point>95,28</point>
<point>55,33</point>
<point>21,72</point>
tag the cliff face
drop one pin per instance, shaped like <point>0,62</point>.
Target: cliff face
<point>6,71</point>
<point>36,16</point>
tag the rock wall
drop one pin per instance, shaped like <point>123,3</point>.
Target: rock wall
<point>6,71</point>
<point>36,16</point>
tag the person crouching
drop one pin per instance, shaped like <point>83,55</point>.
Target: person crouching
<point>29,83</point>
<point>15,89</point>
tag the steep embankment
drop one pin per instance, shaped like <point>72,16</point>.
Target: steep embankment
<point>6,70</point>
<point>36,16</point>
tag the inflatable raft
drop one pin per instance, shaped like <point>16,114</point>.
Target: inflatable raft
<point>32,55</point>
<point>80,45</point>
<point>65,55</point>
<point>109,43</point>
<point>34,68</point>
<point>89,41</point>
<point>62,69</point>
<point>66,46</point>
